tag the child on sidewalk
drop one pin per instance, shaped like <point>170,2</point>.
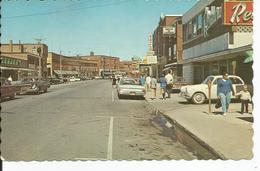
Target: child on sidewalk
<point>245,98</point>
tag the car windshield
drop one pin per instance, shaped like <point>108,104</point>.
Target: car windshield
<point>129,82</point>
<point>207,79</point>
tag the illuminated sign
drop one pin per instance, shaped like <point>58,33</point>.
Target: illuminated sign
<point>238,13</point>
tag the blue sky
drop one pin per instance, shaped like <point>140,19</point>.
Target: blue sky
<point>110,27</point>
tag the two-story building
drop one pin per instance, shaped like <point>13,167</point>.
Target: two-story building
<point>217,37</point>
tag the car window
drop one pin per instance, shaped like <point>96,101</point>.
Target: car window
<point>128,82</point>
<point>235,80</point>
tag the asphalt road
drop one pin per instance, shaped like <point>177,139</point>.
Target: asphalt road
<point>83,121</point>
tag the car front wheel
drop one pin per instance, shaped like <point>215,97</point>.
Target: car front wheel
<point>198,98</point>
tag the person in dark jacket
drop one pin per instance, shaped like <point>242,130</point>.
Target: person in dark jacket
<point>224,89</point>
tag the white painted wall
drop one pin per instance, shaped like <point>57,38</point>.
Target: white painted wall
<point>242,39</point>
<point>218,44</point>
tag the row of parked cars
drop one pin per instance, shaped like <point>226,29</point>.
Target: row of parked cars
<point>28,85</point>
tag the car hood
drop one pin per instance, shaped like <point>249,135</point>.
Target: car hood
<point>130,87</point>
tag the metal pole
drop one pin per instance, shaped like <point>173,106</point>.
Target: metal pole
<point>209,88</point>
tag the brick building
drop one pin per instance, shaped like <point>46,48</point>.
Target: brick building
<point>167,44</point>
<point>106,64</point>
<point>61,65</point>
<point>20,60</point>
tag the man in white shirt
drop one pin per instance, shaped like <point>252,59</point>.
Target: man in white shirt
<point>148,82</point>
<point>169,79</point>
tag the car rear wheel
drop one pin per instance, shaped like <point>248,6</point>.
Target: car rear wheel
<point>198,98</point>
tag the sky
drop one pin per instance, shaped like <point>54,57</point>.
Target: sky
<point>77,27</point>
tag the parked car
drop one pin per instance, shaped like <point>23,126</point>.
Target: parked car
<point>130,87</point>
<point>73,79</point>
<point>7,89</point>
<point>38,85</point>
<point>198,94</point>
<point>54,80</point>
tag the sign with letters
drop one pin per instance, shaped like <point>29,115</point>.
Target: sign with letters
<point>238,13</point>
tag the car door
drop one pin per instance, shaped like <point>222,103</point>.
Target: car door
<point>214,88</point>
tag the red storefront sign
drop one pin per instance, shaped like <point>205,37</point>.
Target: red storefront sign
<point>238,13</point>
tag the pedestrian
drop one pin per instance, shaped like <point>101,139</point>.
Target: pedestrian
<point>163,84</point>
<point>245,98</point>
<point>142,80</point>
<point>154,86</point>
<point>113,81</point>
<point>9,79</point>
<point>148,82</point>
<point>169,79</point>
<point>224,88</point>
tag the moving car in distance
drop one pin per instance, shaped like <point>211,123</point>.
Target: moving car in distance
<point>130,87</point>
<point>198,93</point>
<point>54,80</point>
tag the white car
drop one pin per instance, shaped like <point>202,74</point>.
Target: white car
<point>198,93</point>
<point>73,79</point>
<point>130,87</point>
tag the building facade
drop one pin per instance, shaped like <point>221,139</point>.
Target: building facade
<point>106,65</point>
<point>167,44</point>
<point>40,50</point>
<point>126,67</point>
<point>19,65</point>
<point>217,37</point>
<point>60,65</point>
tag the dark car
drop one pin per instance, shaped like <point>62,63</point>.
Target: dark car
<point>38,85</point>
<point>54,80</point>
<point>7,89</point>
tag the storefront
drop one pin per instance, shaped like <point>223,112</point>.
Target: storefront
<point>17,68</point>
<point>224,44</point>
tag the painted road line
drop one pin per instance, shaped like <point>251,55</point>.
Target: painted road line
<point>123,117</point>
<point>110,140</point>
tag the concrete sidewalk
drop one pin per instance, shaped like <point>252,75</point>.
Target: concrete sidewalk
<point>228,136</point>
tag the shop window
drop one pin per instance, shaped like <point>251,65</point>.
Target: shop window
<point>235,81</point>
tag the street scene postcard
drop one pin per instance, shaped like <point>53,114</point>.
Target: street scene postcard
<point>134,80</point>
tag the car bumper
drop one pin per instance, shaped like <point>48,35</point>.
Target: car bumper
<point>185,95</point>
<point>131,93</point>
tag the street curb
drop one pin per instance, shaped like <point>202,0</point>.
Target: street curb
<point>202,143</point>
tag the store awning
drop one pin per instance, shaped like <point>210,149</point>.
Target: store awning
<point>17,69</point>
<point>170,65</point>
<point>249,56</point>
<point>60,72</point>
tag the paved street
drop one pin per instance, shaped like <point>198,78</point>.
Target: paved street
<point>83,121</point>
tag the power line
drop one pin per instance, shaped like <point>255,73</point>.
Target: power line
<point>68,10</point>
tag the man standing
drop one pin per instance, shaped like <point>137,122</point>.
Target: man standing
<point>148,82</point>
<point>224,89</point>
<point>169,79</point>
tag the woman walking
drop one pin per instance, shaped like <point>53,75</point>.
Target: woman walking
<point>224,88</point>
<point>154,86</point>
